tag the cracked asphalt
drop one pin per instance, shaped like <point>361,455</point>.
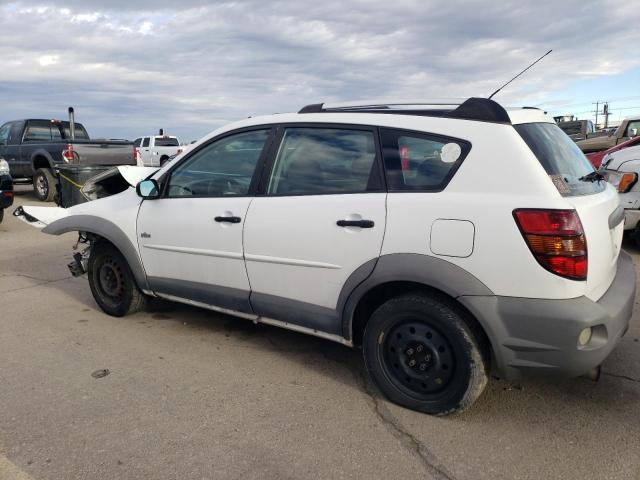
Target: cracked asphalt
<point>191,394</point>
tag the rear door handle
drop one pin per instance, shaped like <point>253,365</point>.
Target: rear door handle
<point>228,219</point>
<point>355,223</point>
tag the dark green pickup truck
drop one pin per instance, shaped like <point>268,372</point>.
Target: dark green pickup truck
<point>34,147</point>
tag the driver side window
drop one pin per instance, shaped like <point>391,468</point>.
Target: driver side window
<point>222,168</point>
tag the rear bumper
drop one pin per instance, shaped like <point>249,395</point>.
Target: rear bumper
<point>541,336</point>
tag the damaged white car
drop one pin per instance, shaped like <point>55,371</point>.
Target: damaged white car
<point>448,239</point>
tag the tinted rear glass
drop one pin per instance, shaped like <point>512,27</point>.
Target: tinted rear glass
<point>167,142</point>
<point>561,158</point>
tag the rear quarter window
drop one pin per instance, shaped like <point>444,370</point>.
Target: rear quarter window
<point>561,158</point>
<point>420,162</point>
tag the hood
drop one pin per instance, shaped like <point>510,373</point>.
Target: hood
<point>616,160</point>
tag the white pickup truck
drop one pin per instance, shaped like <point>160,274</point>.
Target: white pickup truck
<point>621,169</point>
<point>156,150</point>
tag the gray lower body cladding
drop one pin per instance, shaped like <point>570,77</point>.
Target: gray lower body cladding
<point>541,336</point>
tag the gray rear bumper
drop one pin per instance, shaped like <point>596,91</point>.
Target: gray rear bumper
<point>537,335</point>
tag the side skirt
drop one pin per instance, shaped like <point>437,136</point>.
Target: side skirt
<point>258,319</point>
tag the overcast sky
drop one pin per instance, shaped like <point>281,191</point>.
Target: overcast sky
<point>130,67</point>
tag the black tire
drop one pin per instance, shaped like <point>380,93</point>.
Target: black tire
<point>44,184</point>
<point>423,355</point>
<point>1,214</point>
<point>112,283</point>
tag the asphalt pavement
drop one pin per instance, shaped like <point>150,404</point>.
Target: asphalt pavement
<point>183,393</point>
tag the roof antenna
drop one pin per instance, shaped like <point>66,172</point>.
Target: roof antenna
<point>491,96</point>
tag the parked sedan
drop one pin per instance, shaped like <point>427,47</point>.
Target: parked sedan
<point>6,187</point>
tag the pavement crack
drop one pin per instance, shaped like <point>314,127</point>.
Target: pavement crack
<point>623,377</point>
<point>42,282</point>
<point>428,459</point>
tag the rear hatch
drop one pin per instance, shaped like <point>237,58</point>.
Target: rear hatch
<point>595,201</point>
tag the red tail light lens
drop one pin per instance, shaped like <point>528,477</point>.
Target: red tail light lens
<point>136,154</point>
<point>67,153</point>
<point>556,239</point>
<point>8,194</point>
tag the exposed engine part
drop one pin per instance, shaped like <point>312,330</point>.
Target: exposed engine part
<point>80,259</point>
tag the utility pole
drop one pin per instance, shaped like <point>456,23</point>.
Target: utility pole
<point>606,112</point>
<point>597,107</point>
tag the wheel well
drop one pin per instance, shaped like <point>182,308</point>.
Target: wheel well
<point>40,162</point>
<point>379,294</point>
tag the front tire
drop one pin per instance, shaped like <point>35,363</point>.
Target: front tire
<point>423,355</point>
<point>112,283</point>
<point>44,184</point>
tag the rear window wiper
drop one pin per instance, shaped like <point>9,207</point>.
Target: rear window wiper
<point>592,177</point>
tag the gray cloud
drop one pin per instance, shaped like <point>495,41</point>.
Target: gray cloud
<point>132,67</point>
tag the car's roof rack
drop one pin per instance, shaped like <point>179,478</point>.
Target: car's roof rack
<point>474,108</point>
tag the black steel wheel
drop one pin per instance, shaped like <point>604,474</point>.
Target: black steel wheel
<point>423,354</point>
<point>112,283</point>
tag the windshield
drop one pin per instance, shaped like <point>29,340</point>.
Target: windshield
<point>561,158</point>
<point>167,142</point>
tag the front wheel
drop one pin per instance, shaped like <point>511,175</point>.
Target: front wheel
<point>112,283</point>
<point>422,354</point>
<point>44,184</point>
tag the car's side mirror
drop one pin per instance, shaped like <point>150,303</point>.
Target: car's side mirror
<point>148,189</point>
<point>633,132</point>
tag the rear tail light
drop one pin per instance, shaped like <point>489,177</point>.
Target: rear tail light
<point>136,154</point>
<point>67,153</point>
<point>8,194</point>
<point>556,238</point>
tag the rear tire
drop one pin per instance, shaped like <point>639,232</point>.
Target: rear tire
<point>636,236</point>
<point>112,283</point>
<point>423,355</point>
<point>1,214</point>
<point>44,184</point>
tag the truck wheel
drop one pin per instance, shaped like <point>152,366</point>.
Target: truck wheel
<point>44,184</point>
<point>1,214</point>
<point>112,283</point>
<point>423,355</point>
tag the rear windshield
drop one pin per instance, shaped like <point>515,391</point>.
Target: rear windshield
<point>79,131</point>
<point>167,142</point>
<point>561,158</point>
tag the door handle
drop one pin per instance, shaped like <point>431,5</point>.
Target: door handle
<point>228,219</point>
<point>355,223</point>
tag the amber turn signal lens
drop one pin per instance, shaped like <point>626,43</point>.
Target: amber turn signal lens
<point>627,181</point>
<point>557,245</point>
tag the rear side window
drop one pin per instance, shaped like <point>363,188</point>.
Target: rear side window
<point>317,161</point>
<point>563,161</point>
<point>137,142</point>
<point>38,132</point>
<point>419,162</point>
<point>145,142</point>
<point>166,142</point>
